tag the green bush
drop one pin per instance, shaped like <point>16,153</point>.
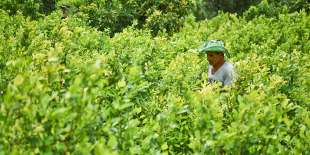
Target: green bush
<point>30,8</point>
<point>114,16</point>
<point>273,8</point>
<point>209,9</point>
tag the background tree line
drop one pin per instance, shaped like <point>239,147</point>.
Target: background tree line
<point>156,15</point>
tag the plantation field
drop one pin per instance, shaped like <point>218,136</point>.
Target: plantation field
<point>69,88</point>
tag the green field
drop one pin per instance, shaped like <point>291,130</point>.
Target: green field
<point>69,87</point>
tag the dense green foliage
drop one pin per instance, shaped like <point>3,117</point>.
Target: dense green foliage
<point>113,16</point>
<point>276,7</point>
<point>116,15</point>
<point>207,8</point>
<point>27,7</point>
<point>30,8</point>
<point>210,8</point>
<point>67,87</point>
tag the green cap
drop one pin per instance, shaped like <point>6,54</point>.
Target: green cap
<point>216,46</point>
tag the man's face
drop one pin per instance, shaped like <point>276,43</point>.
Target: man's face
<point>214,58</point>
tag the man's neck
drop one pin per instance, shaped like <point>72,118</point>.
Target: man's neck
<point>218,65</point>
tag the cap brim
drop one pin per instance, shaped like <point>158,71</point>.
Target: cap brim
<point>215,49</point>
<point>212,49</point>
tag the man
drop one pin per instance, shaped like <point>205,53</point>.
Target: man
<point>219,69</point>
